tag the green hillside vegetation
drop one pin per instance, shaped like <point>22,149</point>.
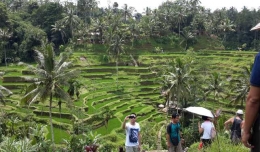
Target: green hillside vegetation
<point>138,90</point>
<point>71,72</point>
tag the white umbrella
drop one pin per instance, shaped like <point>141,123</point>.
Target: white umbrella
<point>200,111</point>
<point>161,106</point>
<point>257,27</point>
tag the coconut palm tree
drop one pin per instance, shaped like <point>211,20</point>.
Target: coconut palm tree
<point>226,26</point>
<point>52,75</point>
<point>5,34</point>
<point>127,12</point>
<point>71,20</point>
<point>215,86</point>
<point>116,48</point>
<point>106,115</point>
<point>188,37</point>
<point>180,15</point>
<point>74,87</point>
<point>179,79</point>
<point>58,27</point>
<point>99,25</point>
<point>241,85</point>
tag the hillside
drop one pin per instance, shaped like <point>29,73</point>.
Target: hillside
<point>136,90</point>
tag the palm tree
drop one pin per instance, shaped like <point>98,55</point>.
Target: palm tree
<point>240,86</point>
<point>188,36</point>
<point>148,11</point>
<point>180,15</point>
<point>116,48</point>
<point>106,115</point>
<point>179,79</point>
<point>74,87</point>
<point>99,25</point>
<point>52,76</point>
<point>5,34</point>
<point>71,19</point>
<point>226,26</point>
<point>59,27</point>
<point>215,86</point>
<point>127,12</point>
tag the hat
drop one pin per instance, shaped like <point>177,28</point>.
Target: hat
<point>133,115</point>
<point>240,112</point>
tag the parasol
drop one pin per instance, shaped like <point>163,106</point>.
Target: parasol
<point>200,111</point>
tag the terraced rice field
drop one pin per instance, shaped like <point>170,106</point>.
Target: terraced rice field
<point>136,91</point>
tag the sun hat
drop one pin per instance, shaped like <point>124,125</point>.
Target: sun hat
<point>240,112</point>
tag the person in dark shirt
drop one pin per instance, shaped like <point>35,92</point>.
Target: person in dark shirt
<point>173,131</point>
<point>235,129</point>
<point>252,118</point>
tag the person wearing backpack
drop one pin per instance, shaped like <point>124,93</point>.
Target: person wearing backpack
<point>236,127</point>
<point>208,130</point>
<point>173,134</point>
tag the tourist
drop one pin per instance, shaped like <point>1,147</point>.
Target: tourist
<point>173,134</point>
<point>252,119</point>
<point>235,129</point>
<point>133,137</point>
<point>208,130</point>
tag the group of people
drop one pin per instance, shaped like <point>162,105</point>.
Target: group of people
<point>174,142</point>
<point>233,125</point>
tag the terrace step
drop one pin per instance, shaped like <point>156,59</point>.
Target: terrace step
<point>18,79</point>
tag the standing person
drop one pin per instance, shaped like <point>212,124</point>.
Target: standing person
<point>236,126</point>
<point>252,119</point>
<point>208,129</point>
<point>133,137</point>
<point>173,134</point>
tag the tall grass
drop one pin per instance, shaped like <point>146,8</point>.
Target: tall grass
<point>223,144</point>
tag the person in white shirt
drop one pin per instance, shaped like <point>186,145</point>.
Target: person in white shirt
<point>207,128</point>
<point>133,137</point>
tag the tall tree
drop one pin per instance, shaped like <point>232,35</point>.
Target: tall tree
<point>71,19</point>
<point>58,28</point>
<point>179,79</point>
<point>46,16</point>
<point>215,86</point>
<point>3,15</point>
<point>5,34</point>
<point>240,86</point>
<point>107,114</point>
<point>127,12</point>
<point>52,75</point>
<point>86,9</point>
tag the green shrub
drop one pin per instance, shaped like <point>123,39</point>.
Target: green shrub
<point>108,146</point>
<point>111,137</point>
<point>224,145</point>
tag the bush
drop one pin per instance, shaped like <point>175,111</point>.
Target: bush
<point>111,137</point>
<point>224,145</point>
<point>108,147</point>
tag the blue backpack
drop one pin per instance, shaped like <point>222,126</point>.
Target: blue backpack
<point>174,134</point>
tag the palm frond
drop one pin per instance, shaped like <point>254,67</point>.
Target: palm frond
<point>5,90</point>
<point>63,95</point>
<point>39,58</point>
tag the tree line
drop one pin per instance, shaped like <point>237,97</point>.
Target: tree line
<point>28,24</point>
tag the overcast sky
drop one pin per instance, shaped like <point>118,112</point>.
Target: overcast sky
<point>139,5</point>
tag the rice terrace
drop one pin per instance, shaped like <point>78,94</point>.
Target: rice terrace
<point>70,74</point>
